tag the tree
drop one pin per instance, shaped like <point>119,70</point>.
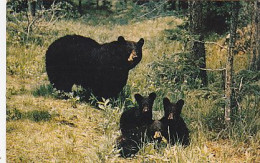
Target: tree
<point>229,92</point>
<point>255,61</point>
<point>80,7</point>
<point>97,3</point>
<point>197,43</point>
<point>32,7</point>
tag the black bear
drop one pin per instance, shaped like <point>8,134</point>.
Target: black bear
<point>155,131</point>
<point>134,118</point>
<point>177,130</point>
<point>128,145</point>
<point>102,68</point>
<point>133,124</point>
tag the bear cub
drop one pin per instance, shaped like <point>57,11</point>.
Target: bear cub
<point>134,118</point>
<point>134,123</point>
<point>155,131</point>
<point>177,130</point>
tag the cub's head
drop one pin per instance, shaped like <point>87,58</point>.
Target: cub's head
<point>172,110</point>
<point>131,51</point>
<point>145,104</point>
<point>155,130</point>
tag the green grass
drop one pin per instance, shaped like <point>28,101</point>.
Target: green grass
<point>43,127</point>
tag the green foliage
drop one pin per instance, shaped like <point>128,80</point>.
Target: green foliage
<point>35,115</point>
<point>247,83</point>
<point>110,113</point>
<point>45,90</point>
<point>22,29</point>
<point>214,120</point>
<point>13,114</point>
<point>17,5</point>
<point>38,115</point>
<point>180,33</point>
<point>177,71</point>
<point>124,99</point>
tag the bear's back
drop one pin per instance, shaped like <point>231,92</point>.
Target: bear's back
<point>129,120</point>
<point>71,44</point>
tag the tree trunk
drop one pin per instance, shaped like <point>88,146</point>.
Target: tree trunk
<point>32,7</point>
<point>80,8</point>
<point>97,4</point>
<point>255,61</point>
<point>229,92</point>
<point>197,44</point>
<point>39,5</point>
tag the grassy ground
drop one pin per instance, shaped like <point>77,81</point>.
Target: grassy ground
<point>49,129</point>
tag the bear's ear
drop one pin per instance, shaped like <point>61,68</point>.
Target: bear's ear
<point>179,105</point>
<point>121,39</point>
<point>152,96</point>
<point>166,102</point>
<point>138,98</point>
<point>140,43</point>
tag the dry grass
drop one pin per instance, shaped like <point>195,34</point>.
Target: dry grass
<point>86,134</point>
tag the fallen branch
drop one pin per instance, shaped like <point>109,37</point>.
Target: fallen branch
<point>218,69</point>
<point>207,42</point>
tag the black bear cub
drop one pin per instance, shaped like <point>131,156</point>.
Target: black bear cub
<point>101,68</point>
<point>133,125</point>
<point>177,130</point>
<point>155,131</point>
<point>134,118</point>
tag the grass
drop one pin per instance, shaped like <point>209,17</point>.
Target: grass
<point>44,128</point>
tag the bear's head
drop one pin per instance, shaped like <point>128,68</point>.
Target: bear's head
<point>155,130</point>
<point>172,111</point>
<point>132,51</point>
<point>145,105</point>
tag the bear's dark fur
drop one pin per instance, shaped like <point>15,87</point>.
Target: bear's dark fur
<point>128,145</point>
<point>133,125</point>
<point>177,130</point>
<point>155,131</point>
<point>134,118</point>
<point>102,68</point>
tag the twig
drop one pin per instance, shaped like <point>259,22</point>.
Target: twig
<point>29,26</point>
<point>152,10</point>
<point>207,42</point>
<point>218,69</point>
<point>240,85</point>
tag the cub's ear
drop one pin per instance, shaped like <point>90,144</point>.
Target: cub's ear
<point>152,96</point>
<point>180,104</point>
<point>138,98</point>
<point>166,102</point>
<point>121,39</point>
<point>140,43</point>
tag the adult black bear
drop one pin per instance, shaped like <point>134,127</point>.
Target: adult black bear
<point>102,68</point>
<point>177,129</point>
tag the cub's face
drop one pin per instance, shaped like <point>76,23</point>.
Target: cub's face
<point>172,110</point>
<point>156,129</point>
<point>145,103</point>
<point>132,51</point>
